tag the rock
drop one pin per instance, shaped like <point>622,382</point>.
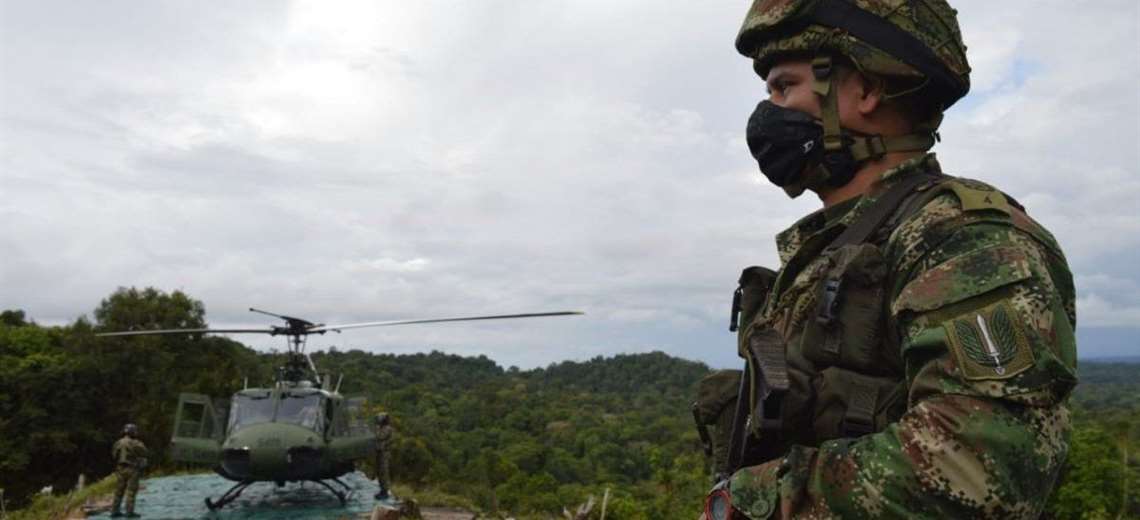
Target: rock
<point>385,512</point>
<point>396,508</point>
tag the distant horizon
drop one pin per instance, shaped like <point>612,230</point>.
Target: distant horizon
<point>1097,358</point>
<point>1094,344</point>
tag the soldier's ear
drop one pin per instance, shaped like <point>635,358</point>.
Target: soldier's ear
<point>871,92</point>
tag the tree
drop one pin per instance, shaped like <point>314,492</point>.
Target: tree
<point>13,318</point>
<point>1091,477</point>
<point>132,309</point>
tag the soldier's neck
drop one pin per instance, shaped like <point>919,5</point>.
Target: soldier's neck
<point>865,178</point>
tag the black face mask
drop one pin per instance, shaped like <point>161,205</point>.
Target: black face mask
<point>786,143</point>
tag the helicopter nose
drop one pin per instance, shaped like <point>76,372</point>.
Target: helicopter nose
<point>302,457</point>
<point>236,462</point>
<point>272,451</point>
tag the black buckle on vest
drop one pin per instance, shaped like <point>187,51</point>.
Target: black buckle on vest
<point>734,319</point>
<point>829,304</point>
<point>853,427</point>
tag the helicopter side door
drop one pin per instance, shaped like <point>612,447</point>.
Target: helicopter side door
<point>351,437</point>
<point>198,430</point>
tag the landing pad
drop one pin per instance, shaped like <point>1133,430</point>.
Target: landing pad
<point>184,497</point>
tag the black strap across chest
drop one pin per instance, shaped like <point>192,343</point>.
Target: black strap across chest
<point>873,217</point>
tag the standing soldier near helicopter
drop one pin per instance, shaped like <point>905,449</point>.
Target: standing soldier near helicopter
<point>914,354</point>
<point>384,439</point>
<point>130,455</point>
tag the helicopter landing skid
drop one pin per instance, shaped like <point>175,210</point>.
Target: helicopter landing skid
<point>338,481</point>
<point>228,496</point>
<point>342,495</point>
<point>234,492</point>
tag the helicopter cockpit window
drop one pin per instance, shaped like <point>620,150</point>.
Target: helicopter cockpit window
<point>303,410</point>
<point>247,409</point>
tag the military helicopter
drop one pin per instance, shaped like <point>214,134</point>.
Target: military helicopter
<point>296,431</point>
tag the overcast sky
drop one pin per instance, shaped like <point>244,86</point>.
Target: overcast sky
<point>359,161</point>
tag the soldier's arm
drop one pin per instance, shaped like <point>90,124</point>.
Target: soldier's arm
<point>985,313</point>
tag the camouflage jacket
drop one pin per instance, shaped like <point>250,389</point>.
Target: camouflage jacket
<point>129,451</point>
<point>385,436</point>
<point>979,311</point>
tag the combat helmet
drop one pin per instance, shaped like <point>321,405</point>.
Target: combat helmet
<point>915,40</point>
<point>901,38</point>
<point>381,419</point>
<point>130,429</point>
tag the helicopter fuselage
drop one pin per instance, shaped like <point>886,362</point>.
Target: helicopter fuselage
<point>292,432</point>
<point>288,433</point>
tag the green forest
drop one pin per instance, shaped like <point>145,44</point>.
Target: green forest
<point>508,441</point>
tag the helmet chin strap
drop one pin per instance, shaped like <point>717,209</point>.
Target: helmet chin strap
<point>844,152</point>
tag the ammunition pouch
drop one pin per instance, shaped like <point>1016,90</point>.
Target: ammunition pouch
<point>751,292</point>
<point>768,385</point>
<point>848,327</point>
<point>715,407</point>
<point>758,425</point>
<point>850,404</point>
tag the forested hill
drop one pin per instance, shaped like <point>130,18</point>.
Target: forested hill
<point>506,439</point>
<point>538,440</point>
<point>624,373</point>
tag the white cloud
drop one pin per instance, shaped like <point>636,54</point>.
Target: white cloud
<point>1094,311</point>
<point>361,161</point>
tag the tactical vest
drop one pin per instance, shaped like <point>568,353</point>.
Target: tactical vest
<point>826,364</point>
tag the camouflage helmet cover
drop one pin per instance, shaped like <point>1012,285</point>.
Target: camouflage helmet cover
<point>899,38</point>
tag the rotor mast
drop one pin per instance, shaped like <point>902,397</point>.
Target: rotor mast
<point>297,362</point>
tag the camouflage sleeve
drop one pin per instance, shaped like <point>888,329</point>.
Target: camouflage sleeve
<point>984,309</point>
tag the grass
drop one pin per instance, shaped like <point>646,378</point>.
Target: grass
<point>428,497</point>
<point>54,507</point>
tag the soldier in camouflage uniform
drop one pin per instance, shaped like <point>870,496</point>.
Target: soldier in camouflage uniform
<point>130,460</point>
<point>913,356</point>
<point>384,439</point>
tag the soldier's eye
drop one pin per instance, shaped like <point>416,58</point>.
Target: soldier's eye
<point>778,87</point>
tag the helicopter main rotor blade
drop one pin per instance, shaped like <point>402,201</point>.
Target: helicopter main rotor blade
<point>439,320</point>
<point>286,318</point>
<point>186,331</point>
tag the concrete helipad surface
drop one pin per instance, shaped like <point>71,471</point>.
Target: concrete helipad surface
<point>183,497</point>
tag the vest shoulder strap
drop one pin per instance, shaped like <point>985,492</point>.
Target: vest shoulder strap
<point>886,205</point>
<point>975,196</point>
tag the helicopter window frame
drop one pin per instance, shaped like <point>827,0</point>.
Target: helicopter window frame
<point>311,415</point>
<point>243,414</point>
<point>340,422</point>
